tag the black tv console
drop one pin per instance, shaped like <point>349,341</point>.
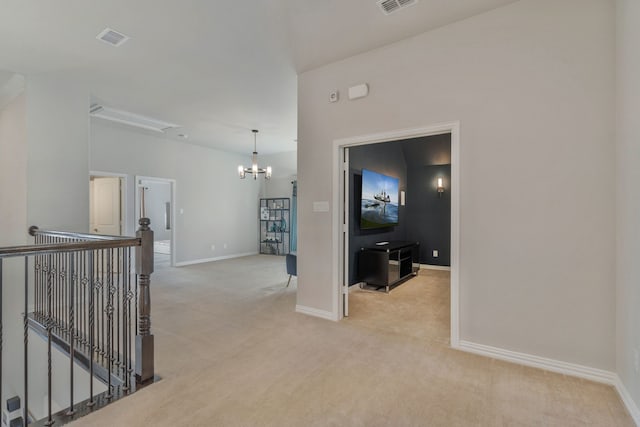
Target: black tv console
<point>382,267</point>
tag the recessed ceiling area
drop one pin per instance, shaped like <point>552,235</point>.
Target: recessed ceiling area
<point>219,69</point>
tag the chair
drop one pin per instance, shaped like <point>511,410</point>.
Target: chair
<point>292,266</point>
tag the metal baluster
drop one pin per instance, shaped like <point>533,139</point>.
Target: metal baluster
<point>109,312</point>
<point>83,290</point>
<point>60,308</point>
<point>125,336</point>
<point>91,328</point>
<point>54,291</point>
<point>37,266</point>
<point>136,307</point>
<point>101,317</point>
<point>66,282</point>
<point>49,328</point>
<point>97,301</point>
<point>25,325</point>
<point>119,253</point>
<point>71,330</point>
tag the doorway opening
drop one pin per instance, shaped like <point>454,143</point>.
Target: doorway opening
<point>155,199</point>
<point>344,215</point>
<point>107,203</point>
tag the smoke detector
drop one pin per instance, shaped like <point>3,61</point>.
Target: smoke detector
<point>112,37</point>
<point>390,6</point>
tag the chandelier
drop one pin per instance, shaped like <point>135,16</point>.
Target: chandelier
<point>254,169</point>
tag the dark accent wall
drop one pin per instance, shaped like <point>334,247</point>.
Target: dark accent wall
<point>426,218</point>
<point>385,158</point>
<point>429,214</point>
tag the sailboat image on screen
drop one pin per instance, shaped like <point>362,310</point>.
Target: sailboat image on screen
<point>379,200</point>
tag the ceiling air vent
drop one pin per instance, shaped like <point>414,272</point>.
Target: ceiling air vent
<point>112,37</point>
<point>390,6</point>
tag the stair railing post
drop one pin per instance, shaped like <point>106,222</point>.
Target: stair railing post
<point>144,267</point>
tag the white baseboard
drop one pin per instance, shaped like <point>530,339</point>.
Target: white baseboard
<point>219,258</point>
<point>310,311</point>
<point>552,365</point>
<point>627,400</point>
<point>558,366</point>
<point>435,267</point>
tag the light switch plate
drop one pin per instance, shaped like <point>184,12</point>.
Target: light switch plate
<point>321,206</point>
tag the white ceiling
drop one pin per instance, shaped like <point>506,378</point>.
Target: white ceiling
<point>218,68</point>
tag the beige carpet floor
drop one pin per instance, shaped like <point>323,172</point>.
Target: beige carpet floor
<point>231,351</point>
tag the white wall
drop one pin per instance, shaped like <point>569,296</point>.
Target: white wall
<point>628,190</point>
<point>58,135</point>
<point>532,85</point>
<point>219,208</point>
<point>284,171</point>
<point>13,231</point>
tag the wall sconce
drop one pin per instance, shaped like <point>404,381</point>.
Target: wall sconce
<point>440,187</point>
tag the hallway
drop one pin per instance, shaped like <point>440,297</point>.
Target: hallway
<point>231,351</point>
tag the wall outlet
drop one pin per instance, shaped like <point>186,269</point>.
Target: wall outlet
<point>333,96</point>
<point>435,253</point>
<point>213,247</point>
<point>636,360</point>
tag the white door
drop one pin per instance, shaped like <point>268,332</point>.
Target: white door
<point>105,206</point>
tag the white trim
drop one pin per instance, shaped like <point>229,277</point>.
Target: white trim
<point>436,129</point>
<point>558,366</point>
<point>218,258</point>
<point>435,267</point>
<point>344,183</point>
<point>174,192</point>
<point>310,311</point>
<point>545,363</point>
<point>627,400</point>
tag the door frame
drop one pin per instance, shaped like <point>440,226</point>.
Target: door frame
<point>173,190</point>
<point>124,199</point>
<point>341,208</point>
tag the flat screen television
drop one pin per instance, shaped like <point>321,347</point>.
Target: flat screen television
<point>379,200</point>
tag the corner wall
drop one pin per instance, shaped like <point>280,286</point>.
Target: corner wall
<point>628,199</point>
<point>13,231</point>
<point>284,171</point>
<point>532,85</point>
<point>58,153</point>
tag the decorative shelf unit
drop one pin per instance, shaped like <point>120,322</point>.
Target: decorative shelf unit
<point>275,225</point>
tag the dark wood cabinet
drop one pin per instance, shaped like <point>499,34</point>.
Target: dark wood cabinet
<point>384,266</point>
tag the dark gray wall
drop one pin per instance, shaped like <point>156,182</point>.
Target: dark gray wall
<point>385,158</point>
<point>426,218</point>
<point>429,215</point>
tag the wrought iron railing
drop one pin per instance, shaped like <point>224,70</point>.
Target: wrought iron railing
<point>84,296</point>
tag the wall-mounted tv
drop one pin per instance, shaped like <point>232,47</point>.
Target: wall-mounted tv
<point>379,200</point>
